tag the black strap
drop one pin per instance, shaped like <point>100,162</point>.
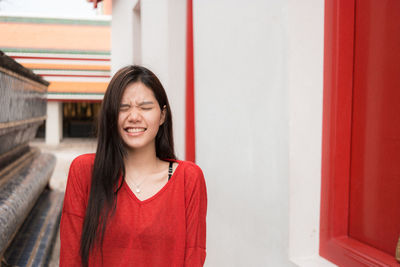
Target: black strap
<point>170,170</point>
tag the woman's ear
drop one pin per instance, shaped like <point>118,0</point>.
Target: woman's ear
<point>163,114</point>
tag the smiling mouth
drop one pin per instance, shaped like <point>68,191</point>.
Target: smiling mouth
<point>135,129</point>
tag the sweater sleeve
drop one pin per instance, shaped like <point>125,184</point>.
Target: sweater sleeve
<point>196,211</point>
<point>72,216</point>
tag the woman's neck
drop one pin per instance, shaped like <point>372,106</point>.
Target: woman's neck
<point>141,162</point>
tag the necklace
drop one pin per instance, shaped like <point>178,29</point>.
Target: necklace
<point>137,186</point>
<point>137,190</point>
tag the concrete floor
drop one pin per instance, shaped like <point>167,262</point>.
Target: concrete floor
<point>65,152</point>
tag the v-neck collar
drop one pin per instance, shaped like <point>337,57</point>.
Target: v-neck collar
<point>159,192</point>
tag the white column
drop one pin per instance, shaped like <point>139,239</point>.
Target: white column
<point>163,51</point>
<point>54,123</point>
<point>176,89</point>
<point>122,28</point>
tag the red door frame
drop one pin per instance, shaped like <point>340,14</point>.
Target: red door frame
<point>335,243</point>
<point>190,154</point>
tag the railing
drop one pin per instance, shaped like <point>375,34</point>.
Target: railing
<point>29,212</point>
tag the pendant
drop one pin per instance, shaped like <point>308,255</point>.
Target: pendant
<point>138,190</point>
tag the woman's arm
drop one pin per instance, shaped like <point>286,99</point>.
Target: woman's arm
<point>196,211</point>
<point>73,213</point>
<point>70,234</point>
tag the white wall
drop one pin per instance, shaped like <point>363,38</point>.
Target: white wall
<point>258,88</point>
<point>242,128</point>
<point>162,49</point>
<point>305,21</point>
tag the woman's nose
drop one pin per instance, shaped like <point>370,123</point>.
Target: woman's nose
<point>134,114</point>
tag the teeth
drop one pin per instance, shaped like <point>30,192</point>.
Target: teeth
<point>135,130</point>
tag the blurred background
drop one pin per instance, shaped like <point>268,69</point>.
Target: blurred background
<point>289,107</point>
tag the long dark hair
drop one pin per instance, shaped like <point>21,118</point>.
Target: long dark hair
<point>109,164</point>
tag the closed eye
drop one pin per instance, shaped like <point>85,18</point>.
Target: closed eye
<point>124,107</point>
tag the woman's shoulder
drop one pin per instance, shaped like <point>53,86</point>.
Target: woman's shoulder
<point>80,172</point>
<point>82,164</point>
<point>190,167</point>
<point>192,172</point>
<point>194,181</point>
<point>83,160</point>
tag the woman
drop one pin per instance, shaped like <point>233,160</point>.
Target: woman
<point>133,203</point>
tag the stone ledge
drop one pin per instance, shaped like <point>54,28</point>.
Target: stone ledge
<point>12,65</point>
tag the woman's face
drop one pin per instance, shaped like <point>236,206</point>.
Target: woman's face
<point>139,116</point>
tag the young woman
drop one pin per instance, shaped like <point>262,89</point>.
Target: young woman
<point>133,203</point>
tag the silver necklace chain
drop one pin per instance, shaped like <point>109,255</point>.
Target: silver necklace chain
<point>138,190</point>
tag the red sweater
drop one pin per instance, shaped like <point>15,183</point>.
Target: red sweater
<point>167,229</point>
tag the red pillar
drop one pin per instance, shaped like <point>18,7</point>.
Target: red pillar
<point>190,126</point>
